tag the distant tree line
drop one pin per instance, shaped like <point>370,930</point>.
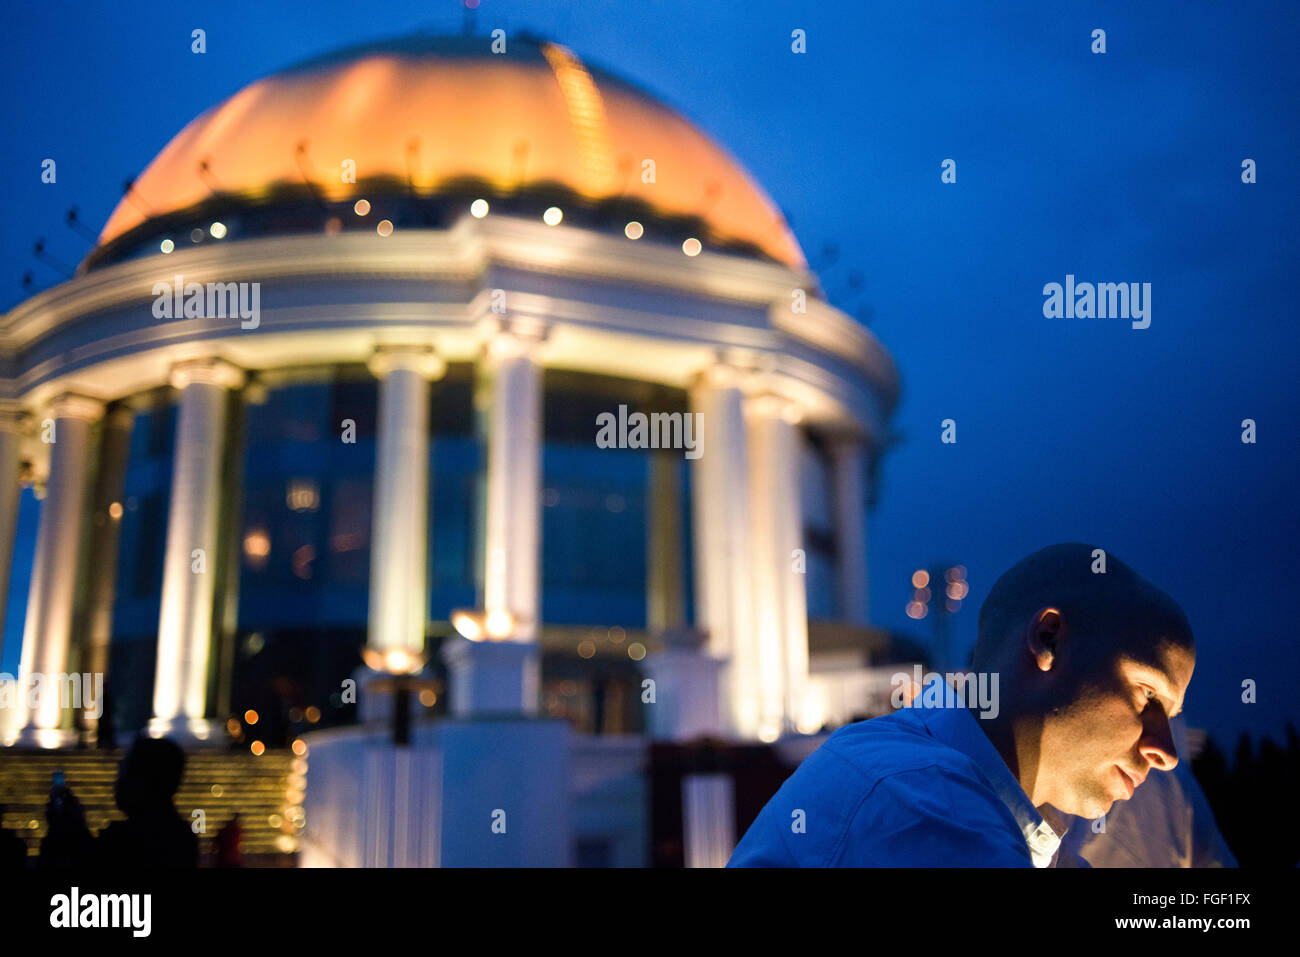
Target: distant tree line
<point>1251,797</point>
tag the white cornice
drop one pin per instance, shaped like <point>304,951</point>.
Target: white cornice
<point>704,307</point>
<point>464,252</point>
<point>826,328</point>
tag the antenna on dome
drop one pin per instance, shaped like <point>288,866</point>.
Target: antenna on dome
<point>626,166</point>
<point>712,193</point>
<point>38,250</point>
<point>850,299</point>
<point>300,157</point>
<point>205,174</point>
<point>78,227</point>
<point>830,255</point>
<point>412,162</point>
<point>520,156</point>
<point>129,193</point>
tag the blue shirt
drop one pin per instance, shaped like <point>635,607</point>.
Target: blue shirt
<point>922,787</point>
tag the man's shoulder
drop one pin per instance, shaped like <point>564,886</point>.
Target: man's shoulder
<point>157,840</point>
<point>873,791</point>
<point>890,745</point>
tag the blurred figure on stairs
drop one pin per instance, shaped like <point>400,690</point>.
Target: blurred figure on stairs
<point>153,835</point>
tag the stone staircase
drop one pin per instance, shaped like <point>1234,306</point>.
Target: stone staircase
<point>265,791</point>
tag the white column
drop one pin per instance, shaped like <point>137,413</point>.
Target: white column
<point>686,676</point>
<point>11,429</point>
<point>399,550</point>
<point>190,554</point>
<point>779,575</point>
<point>47,636</point>
<point>101,587</point>
<point>499,671</point>
<point>849,470</point>
<point>665,582</point>
<point>723,567</point>
<point>514,476</point>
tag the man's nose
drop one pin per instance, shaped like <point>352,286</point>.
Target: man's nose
<point>1157,745</point>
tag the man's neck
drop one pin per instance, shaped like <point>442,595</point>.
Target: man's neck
<point>1002,735</point>
<point>1001,732</point>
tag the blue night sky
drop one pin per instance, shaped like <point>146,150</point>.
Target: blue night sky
<point>1117,167</point>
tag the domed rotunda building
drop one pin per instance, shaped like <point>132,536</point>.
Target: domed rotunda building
<point>485,377</point>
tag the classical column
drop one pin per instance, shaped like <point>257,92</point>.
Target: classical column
<point>225,621</point>
<point>190,554</point>
<point>12,420</point>
<point>849,478</point>
<point>399,551</point>
<point>781,623</point>
<point>514,477</point>
<point>498,669</point>
<point>47,636</point>
<point>106,526</point>
<point>686,677</point>
<point>723,552</point>
<point>665,603</point>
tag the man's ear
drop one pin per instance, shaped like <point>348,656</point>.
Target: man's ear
<point>1043,635</point>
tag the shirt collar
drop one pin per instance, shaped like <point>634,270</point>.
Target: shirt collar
<point>954,725</point>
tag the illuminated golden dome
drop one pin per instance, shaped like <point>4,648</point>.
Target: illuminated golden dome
<point>429,112</point>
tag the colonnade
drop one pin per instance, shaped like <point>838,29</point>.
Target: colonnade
<point>747,527</point>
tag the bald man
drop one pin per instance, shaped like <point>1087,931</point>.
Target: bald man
<point>1091,662</point>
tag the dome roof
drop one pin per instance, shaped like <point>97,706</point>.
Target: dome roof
<point>428,112</point>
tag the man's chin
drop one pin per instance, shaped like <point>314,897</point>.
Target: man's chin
<point>1091,808</point>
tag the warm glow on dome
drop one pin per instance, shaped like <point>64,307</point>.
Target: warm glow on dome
<point>427,112</point>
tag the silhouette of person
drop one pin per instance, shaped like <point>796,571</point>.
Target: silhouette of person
<point>153,834</point>
<point>67,841</point>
